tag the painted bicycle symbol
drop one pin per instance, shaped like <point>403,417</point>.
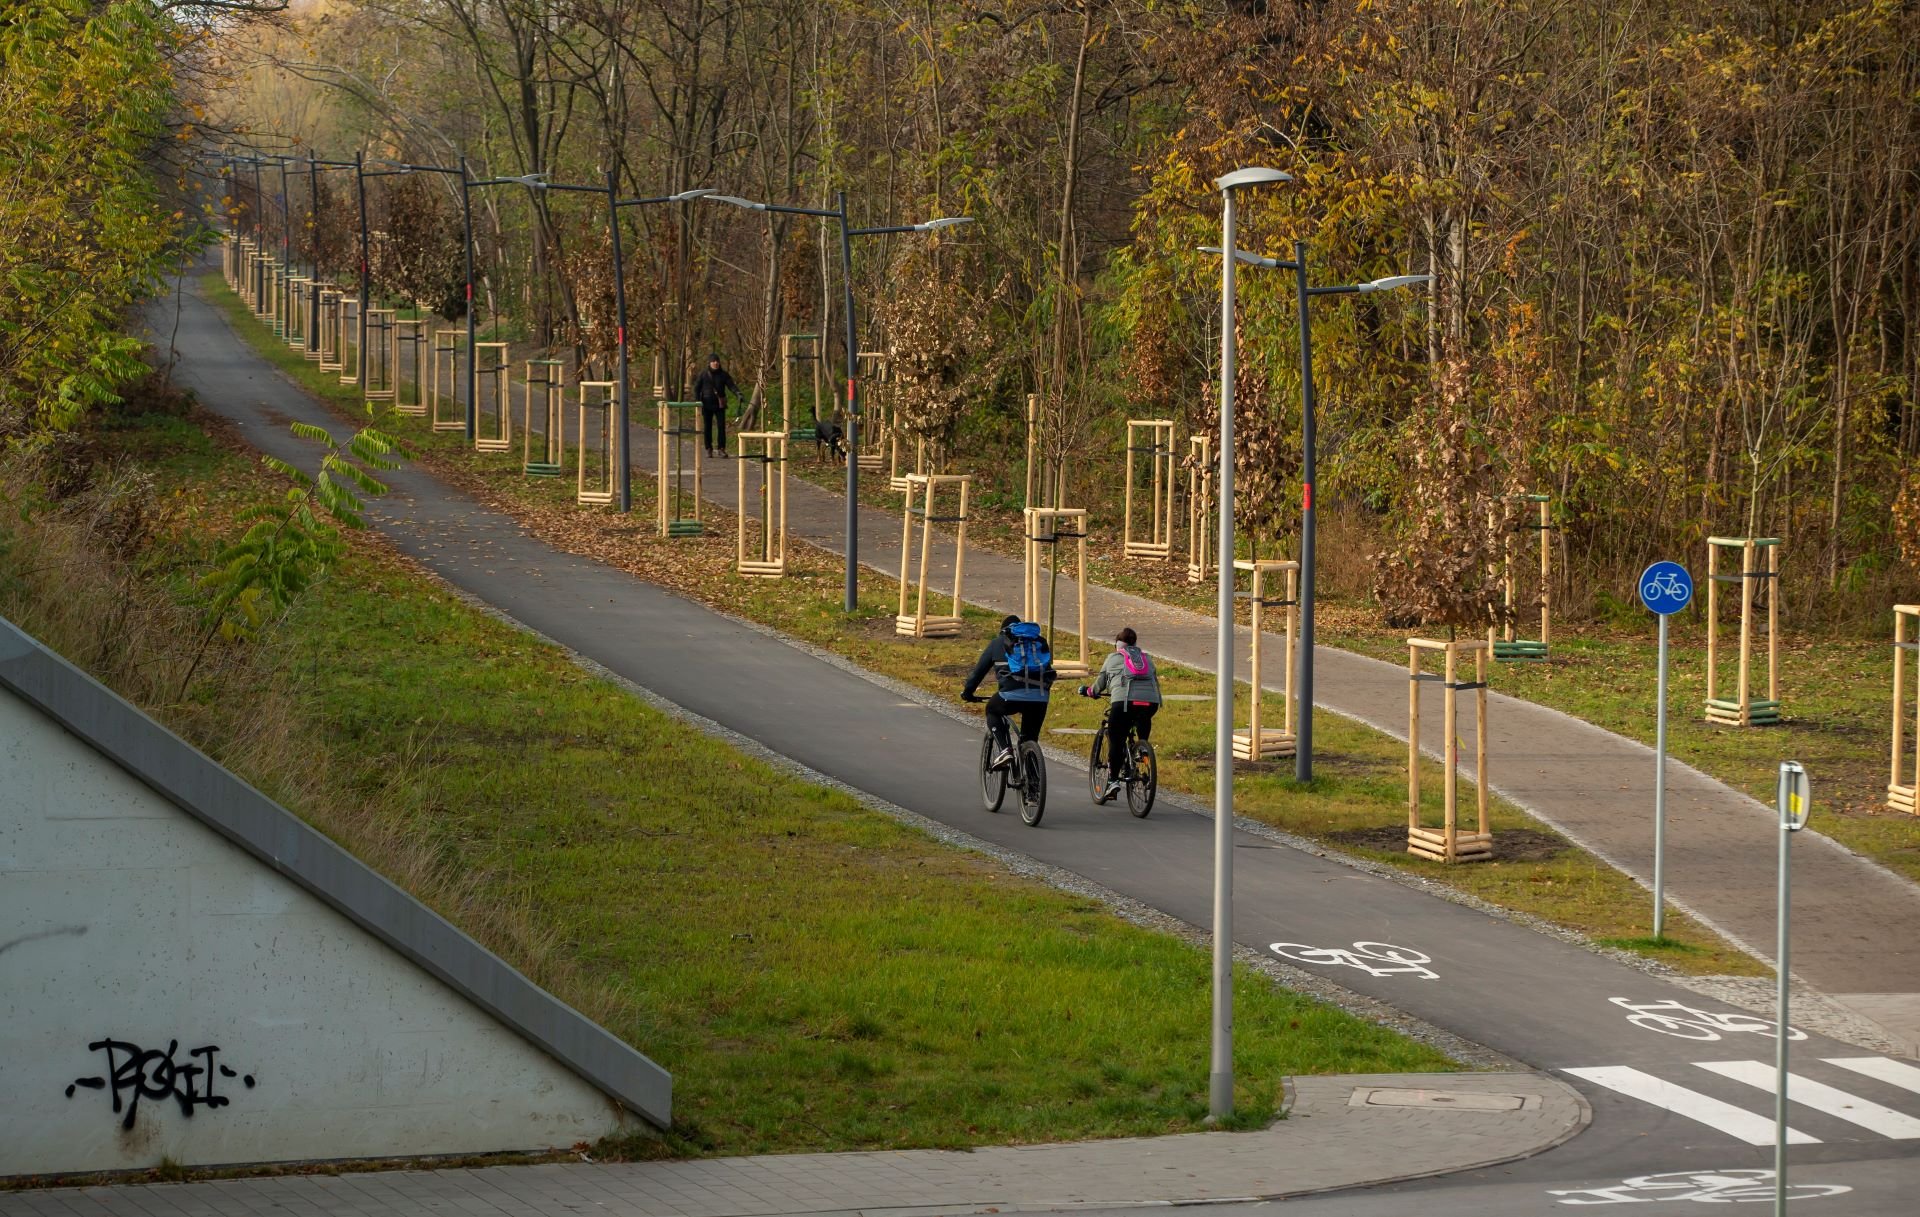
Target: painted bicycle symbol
<point>1373,958</point>
<point>1665,586</point>
<point>1743,1186</point>
<point>1678,1019</point>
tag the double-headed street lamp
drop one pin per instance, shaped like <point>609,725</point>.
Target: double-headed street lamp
<point>839,214</point>
<point>1303,753</point>
<point>614,204</point>
<point>1221,1077</point>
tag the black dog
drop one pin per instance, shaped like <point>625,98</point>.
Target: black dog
<point>829,437</point>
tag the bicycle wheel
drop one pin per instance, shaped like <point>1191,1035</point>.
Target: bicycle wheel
<point>993,782</point>
<point>1146,779</point>
<point>1033,782</point>
<point>1097,767</point>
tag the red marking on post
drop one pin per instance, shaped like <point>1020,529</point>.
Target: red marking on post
<point>849,388</point>
<point>469,293</point>
<point>620,336</point>
<point>1306,496</point>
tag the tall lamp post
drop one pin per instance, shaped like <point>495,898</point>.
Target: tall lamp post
<point>314,168</point>
<point>839,214</point>
<point>1309,443</point>
<point>1220,1071</point>
<point>614,204</point>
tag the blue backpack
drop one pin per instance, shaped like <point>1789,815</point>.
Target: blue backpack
<point>1028,658</point>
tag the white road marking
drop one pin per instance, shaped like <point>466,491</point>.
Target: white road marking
<point>1906,1077</point>
<point>1736,1122</point>
<point>1822,1097</point>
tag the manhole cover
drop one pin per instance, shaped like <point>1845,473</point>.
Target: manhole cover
<point>1446,1100</point>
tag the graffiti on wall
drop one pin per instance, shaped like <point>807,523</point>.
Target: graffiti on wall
<point>135,1073</point>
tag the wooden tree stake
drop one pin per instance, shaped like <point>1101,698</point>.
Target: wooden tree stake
<point>493,422</point>
<point>925,487</point>
<point>1257,742</point>
<point>1507,643</point>
<point>1046,528</point>
<point>598,472</point>
<point>542,414</point>
<point>1200,522</point>
<point>767,558</point>
<point>1152,438</point>
<point>1759,565</point>
<point>1901,793</point>
<point>1448,843</point>
<point>678,455</point>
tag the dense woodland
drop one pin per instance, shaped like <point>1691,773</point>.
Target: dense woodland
<point>1676,248</point>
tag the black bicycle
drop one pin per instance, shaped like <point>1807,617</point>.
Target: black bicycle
<point>1139,771</point>
<point>1026,773</point>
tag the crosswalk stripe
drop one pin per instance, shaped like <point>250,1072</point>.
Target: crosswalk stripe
<point>1822,1097</point>
<point>1906,1077</point>
<point>1736,1122</point>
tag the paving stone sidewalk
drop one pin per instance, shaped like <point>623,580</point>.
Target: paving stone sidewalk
<point>1853,936</point>
<point>1340,1132</point>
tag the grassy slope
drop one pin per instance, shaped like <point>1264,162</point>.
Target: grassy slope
<point>1357,802</point>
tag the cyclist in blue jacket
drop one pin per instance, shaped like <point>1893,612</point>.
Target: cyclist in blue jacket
<point>1022,690</point>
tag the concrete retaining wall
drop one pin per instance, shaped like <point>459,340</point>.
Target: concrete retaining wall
<point>165,991</point>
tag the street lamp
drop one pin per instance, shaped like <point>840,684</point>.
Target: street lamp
<point>1220,1073</point>
<point>314,166</point>
<point>1303,746</point>
<point>839,214</point>
<point>614,204</point>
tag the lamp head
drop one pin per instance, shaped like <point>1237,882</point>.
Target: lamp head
<point>537,181</point>
<point>943,222</point>
<point>736,201</point>
<point>1252,176</point>
<point>1388,284</point>
<point>687,196</point>
<point>1241,255</point>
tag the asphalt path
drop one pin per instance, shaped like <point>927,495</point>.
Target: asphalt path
<point>1533,997</point>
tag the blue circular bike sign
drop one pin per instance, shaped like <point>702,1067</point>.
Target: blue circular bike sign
<point>1666,587</point>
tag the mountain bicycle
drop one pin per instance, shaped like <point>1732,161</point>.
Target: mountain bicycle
<point>1139,769</point>
<point>1026,773</point>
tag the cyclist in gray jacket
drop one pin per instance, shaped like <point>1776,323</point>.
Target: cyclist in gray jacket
<point>1128,680</point>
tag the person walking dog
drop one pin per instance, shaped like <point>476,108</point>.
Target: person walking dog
<point>710,389</point>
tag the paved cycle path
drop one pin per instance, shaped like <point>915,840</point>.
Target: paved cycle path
<point>1854,922</point>
<point>1643,1046</point>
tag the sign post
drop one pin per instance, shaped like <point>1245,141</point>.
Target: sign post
<point>1794,800</point>
<point>1665,588</point>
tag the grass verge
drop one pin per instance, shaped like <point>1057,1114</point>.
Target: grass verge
<point>1356,803</point>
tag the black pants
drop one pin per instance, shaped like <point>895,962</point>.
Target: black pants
<point>713,426</point>
<point>1120,718</point>
<point>1032,715</point>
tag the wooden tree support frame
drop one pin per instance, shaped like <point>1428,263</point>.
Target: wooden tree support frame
<point>875,424</point>
<point>766,556</point>
<point>276,298</point>
<point>1901,794</point>
<point>1046,528</point>
<point>1743,709</point>
<point>330,308</point>
<point>926,488</point>
<point>598,472</point>
<point>1259,742</point>
<point>314,319</point>
<point>798,348</point>
<point>1448,843</point>
<point>383,355</point>
<point>411,370</point>
<point>1508,646</point>
<point>543,406</point>
<point>1152,439</point>
<point>296,331</point>
<point>443,387</point>
<point>680,454</point>
<point>349,340</point>
<point>493,381</point>
<point>1200,521</point>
